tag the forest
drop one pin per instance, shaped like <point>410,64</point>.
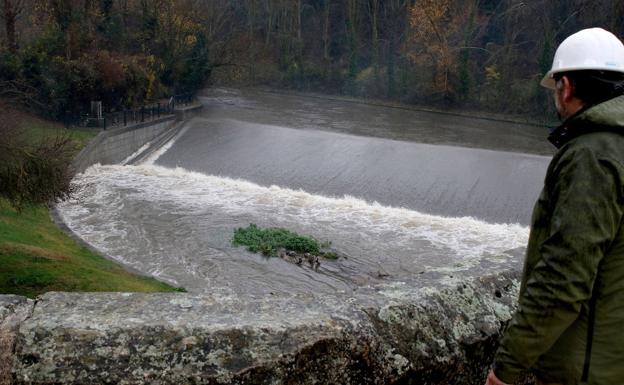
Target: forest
<point>485,55</point>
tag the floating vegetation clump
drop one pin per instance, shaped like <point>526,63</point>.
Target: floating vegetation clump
<point>272,242</point>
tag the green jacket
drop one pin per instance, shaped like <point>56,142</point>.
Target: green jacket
<point>569,326</point>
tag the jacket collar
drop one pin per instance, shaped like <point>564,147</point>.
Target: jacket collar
<point>566,131</point>
<point>606,116</point>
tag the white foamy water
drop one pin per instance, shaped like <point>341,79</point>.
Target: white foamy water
<point>178,225</point>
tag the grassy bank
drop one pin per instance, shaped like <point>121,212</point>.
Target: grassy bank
<point>36,256</point>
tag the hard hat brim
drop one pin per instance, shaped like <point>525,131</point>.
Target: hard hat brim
<point>548,81</point>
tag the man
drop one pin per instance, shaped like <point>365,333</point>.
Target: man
<point>569,326</point>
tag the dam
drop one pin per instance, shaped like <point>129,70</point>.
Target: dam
<point>428,212</point>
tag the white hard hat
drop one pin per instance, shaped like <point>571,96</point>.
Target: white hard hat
<point>588,49</point>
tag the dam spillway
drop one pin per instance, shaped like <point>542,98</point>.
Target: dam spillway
<point>494,186</point>
<point>431,234</point>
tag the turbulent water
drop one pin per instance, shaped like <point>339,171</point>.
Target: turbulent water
<point>395,210</point>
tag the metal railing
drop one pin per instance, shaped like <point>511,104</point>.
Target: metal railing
<point>142,114</point>
<point>126,117</point>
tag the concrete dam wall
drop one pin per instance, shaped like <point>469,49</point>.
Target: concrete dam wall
<point>423,286</point>
<point>115,145</point>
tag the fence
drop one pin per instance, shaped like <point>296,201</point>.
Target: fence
<point>145,113</point>
<point>137,115</point>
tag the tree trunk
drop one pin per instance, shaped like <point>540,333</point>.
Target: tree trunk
<point>298,18</point>
<point>374,11</point>
<point>10,11</point>
<point>326,30</point>
<point>617,15</point>
<point>269,26</point>
<point>250,36</point>
<point>390,70</point>
<point>396,21</point>
<point>352,33</point>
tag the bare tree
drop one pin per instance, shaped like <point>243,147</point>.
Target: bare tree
<point>326,29</point>
<point>298,18</point>
<point>18,92</point>
<point>395,22</point>
<point>11,9</point>
<point>270,18</point>
<point>373,12</point>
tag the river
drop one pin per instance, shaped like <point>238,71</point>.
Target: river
<point>404,196</point>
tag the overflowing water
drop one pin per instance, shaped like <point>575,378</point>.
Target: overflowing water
<point>395,210</point>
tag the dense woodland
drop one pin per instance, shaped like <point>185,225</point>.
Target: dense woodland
<point>58,55</point>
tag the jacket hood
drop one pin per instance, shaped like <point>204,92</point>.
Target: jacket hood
<point>606,116</point>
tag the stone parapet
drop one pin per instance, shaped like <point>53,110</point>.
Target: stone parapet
<point>376,335</point>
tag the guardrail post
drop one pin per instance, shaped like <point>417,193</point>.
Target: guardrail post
<point>142,114</point>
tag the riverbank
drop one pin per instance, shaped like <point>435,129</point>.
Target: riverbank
<point>37,257</point>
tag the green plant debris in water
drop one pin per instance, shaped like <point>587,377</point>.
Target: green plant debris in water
<point>270,241</point>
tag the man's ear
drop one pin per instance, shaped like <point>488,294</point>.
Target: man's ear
<point>567,91</point>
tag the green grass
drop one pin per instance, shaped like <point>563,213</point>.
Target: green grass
<point>35,130</point>
<point>37,257</point>
<point>268,241</point>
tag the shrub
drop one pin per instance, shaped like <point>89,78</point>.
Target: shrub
<point>369,84</point>
<point>33,172</point>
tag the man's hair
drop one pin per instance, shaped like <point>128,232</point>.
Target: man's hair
<point>594,87</point>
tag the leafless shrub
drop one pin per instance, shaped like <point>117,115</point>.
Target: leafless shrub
<point>34,169</point>
<point>20,93</point>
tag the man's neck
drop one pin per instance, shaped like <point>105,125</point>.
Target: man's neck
<point>573,107</point>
